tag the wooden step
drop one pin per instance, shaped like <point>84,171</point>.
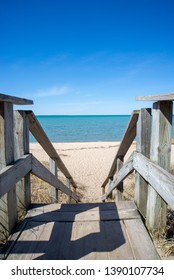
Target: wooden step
<point>82,231</point>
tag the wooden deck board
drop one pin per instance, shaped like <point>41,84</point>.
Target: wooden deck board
<point>82,231</point>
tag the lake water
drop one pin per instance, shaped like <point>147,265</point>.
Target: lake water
<point>83,128</point>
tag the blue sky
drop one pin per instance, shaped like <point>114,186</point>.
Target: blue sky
<point>88,56</point>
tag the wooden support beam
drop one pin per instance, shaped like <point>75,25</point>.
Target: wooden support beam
<point>43,173</point>
<point>119,190</point>
<point>54,170</point>
<point>13,173</point>
<point>68,183</point>
<point>157,97</point>
<point>160,180</point>
<point>8,203</point>
<point>160,153</point>
<point>125,144</point>
<point>21,147</point>
<point>143,146</point>
<point>15,100</point>
<point>44,141</point>
<point>126,169</point>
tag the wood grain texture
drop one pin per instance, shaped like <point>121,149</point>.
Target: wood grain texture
<point>141,243</point>
<point>161,180</point>
<point>15,100</point>
<point>70,232</point>
<point>21,147</point>
<point>11,174</point>
<point>44,141</point>
<point>142,146</point>
<point>43,173</point>
<point>160,153</point>
<point>157,97</point>
<point>54,170</point>
<point>126,169</point>
<point>125,144</point>
<point>119,190</point>
<point>8,214</point>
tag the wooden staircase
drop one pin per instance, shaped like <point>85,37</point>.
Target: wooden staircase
<point>110,230</point>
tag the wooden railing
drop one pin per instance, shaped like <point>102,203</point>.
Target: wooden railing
<point>125,144</point>
<point>55,160</point>
<point>154,185</point>
<point>16,163</point>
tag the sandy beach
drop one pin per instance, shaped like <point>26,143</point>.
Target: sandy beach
<point>88,163</point>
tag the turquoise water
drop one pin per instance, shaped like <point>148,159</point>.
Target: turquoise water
<point>83,128</point>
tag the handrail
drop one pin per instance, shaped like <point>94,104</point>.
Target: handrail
<point>38,132</point>
<point>160,179</point>
<point>125,144</point>
<point>13,173</point>
<point>126,169</point>
<point>39,170</point>
<point>15,100</point>
<point>158,97</point>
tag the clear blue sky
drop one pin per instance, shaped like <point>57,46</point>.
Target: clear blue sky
<point>86,56</point>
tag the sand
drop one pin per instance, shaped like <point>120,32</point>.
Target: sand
<point>89,164</point>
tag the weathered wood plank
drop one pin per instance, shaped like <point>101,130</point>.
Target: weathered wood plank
<point>126,169</point>
<point>46,236</point>
<point>52,239</point>
<point>129,135</point>
<point>26,245</point>
<point>21,147</point>
<point>15,100</point>
<point>160,153</point>
<point>161,180</point>
<point>125,144</point>
<point>141,243</point>
<point>68,183</point>
<point>86,216</point>
<point>8,214</point>
<point>119,190</point>
<point>11,174</point>
<point>43,173</point>
<point>37,209</point>
<point>96,241</point>
<point>54,170</point>
<point>157,97</point>
<point>72,241</point>
<point>142,146</point>
<point>118,236</point>
<point>43,140</point>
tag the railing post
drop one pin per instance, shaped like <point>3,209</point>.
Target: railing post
<point>160,153</point>
<point>21,147</point>
<point>54,170</point>
<point>8,203</point>
<point>69,186</point>
<point>119,190</point>
<point>111,196</point>
<point>103,191</point>
<point>143,147</point>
